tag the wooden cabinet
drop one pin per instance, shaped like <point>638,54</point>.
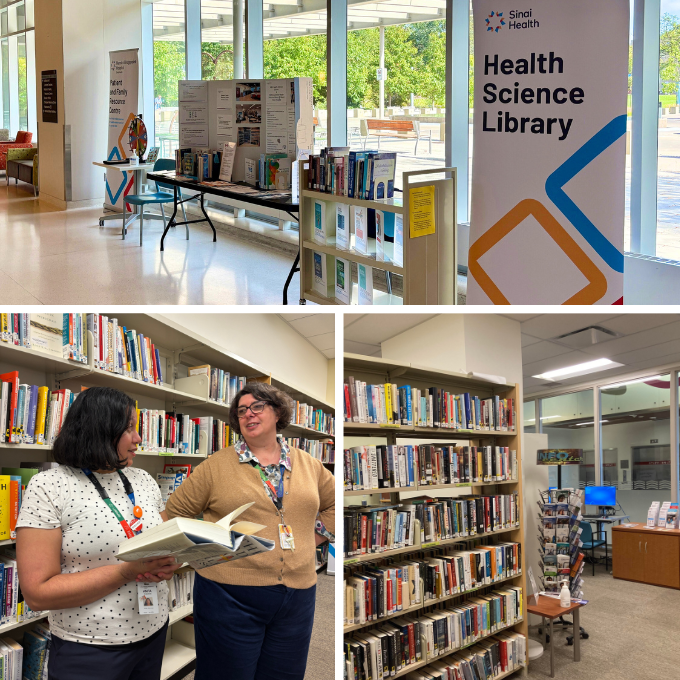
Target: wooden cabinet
<point>646,555</point>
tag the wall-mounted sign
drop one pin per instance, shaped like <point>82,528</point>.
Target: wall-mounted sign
<point>559,456</point>
<point>49,97</point>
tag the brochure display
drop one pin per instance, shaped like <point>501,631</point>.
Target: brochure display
<point>261,117</point>
<point>548,181</point>
<point>123,109</point>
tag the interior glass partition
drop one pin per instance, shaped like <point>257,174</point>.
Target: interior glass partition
<point>636,442</point>
<point>217,40</point>
<point>529,417</point>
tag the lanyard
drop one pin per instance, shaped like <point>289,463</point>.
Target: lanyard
<point>276,494</point>
<point>105,497</point>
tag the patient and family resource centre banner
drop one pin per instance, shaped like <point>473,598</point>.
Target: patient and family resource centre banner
<point>123,107</point>
<point>549,152</point>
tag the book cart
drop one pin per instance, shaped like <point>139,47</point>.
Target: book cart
<point>176,344</point>
<point>429,261</point>
<point>373,370</point>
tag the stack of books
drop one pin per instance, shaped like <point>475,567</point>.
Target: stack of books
<point>202,164</point>
<point>122,350</point>
<point>223,386</point>
<point>60,335</point>
<point>391,404</point>
<point>356,174</point>
<point>30,414</point>
<point>181,587</point>
<point>314,419</point>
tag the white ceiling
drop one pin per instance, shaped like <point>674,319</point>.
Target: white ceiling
<point>318,329</point>
<point>647,341</point>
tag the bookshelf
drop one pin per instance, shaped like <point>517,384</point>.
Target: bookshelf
<point>372,370</point>
<point>429,262</point>
<point>178,347</point>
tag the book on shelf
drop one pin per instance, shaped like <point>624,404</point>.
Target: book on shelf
<point>375,467</point>
<point>342,225</point>
<point>324,282</point>
<point>365,279</point>
<point>383,590</point>
<point>323,451</point>
<point>307,416</point>
<point>405,641</point>
<point>121,350</point>
<point>30,414</point>
<point>343,281</point>
<point>181,589</point>
<point>275,171</point>
<point>202,544</point>
<point>223,385</point>
<point>391,404</point>
<point>13,607</point>
<point>379,529</point>
<point>324,224</point>
<point>390,226</point>
<point>58,335</point>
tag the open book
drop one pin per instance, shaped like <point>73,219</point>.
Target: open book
<point>201,544</point>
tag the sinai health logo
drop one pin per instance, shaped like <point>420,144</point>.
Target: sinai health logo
<point>517,19</point>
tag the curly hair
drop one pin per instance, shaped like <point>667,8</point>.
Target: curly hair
<point>275,397</point>
<point>92,429</point>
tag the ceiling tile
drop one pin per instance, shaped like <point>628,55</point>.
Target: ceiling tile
<point>652,363</point>
<point>520,317</point>
<point>633,323</point>
<point>645,353</point>
<point>529,340</point>
<point>324,341</point>
<point>376,328</point>
<point>553,363</point>
<point>317,324</point>
<point>296,315</point>
<point>330,353</point>
<point>353,347</point>
<point>641,340</point>
<point>551,325</point>
<point>542,350</point>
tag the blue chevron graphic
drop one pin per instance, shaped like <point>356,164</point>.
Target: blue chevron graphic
<point>568,170</point>
<point>115,154</point>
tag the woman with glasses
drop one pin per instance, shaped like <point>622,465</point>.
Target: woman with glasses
<point>253,617</point>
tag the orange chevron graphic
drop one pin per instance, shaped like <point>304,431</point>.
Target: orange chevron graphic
<point>124,129</point>
<point>597,282</point>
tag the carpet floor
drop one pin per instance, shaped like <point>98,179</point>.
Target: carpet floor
<point>633,632</point>
<point>321,659</point>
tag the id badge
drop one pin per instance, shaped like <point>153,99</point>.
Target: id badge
<point>286,537</point>
<point>147,598</point>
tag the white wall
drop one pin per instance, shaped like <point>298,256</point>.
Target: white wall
<point>267,341</point>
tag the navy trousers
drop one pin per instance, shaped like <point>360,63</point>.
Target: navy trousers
<point>251,632</point>
<point>136,661</point>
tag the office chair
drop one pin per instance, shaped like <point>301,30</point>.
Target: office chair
<point>590,544</point>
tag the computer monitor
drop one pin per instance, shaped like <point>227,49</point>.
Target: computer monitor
<point>600,495</point>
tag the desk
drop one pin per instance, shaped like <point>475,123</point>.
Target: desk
<point>238,191</point>
<point>136,189</point>
<point>647,555</point>
<point>549,608</point>
<point>611,519</point>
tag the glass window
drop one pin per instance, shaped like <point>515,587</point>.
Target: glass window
<point>23,92</point>
<point>4,48</point>
<point>668,208</point>
<point>529,411</point>
<point>636,443</point>
<point>169,61</point>
<point>217,50</point>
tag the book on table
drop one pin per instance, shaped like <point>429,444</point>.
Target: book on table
<point>202,544</point>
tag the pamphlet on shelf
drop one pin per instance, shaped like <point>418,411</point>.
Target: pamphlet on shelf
<point>360,231</point>
<point>341,226</point>
<point>324,223</point>
<point>251,171</point>
<point>379,236</point>
<point>202,544</point>
<point>343,280</point>
<point>227,161</point>
<point>398,256</point>
<point>365,276</point>
<point>653,514</point>
<point>324,284</point>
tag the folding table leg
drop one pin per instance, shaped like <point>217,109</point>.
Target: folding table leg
<point>577,634</point>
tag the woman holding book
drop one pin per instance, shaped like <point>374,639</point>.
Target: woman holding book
<point>254,616</point>
<point>72,520</point>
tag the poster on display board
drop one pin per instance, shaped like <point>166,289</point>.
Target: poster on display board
<point>123,107</point>
<point>549,150</point>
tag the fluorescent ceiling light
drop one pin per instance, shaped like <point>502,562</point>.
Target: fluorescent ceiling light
<point>533,420</point>
<point>638,380</point>
<point>578,369</point>
<point>589,422</point>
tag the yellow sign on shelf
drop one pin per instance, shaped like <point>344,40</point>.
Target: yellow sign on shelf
<point>421,211</point>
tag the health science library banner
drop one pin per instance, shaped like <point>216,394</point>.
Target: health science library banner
<point>123,107</point>
<point>549,150</point>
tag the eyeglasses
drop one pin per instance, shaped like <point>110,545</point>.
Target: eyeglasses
<point>255,408</point>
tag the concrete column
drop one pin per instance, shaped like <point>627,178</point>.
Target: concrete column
<point>538,410</point>
<point>192,39</point>
<point>597,434</point>
<point>254,39</point>
<point>238,38</point>
<point>457,125</point>
<point>644,143</point>
<point>336,64</point>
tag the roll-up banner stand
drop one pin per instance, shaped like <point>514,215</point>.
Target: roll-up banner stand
<point>549,152</point>
<point>123,107</point>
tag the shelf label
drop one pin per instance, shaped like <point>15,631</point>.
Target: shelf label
<point>430,545</point>
<point>389,424</point>
<point>421,211</point>
<point>461,484</point>
<point>354,561</point>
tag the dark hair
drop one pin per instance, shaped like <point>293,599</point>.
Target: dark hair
<point>277,399</point>
<point>93,428</point>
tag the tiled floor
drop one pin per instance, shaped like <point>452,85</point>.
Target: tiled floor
<point>51,256</point>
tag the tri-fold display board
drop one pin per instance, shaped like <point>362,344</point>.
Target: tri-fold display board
<point>259,116</point>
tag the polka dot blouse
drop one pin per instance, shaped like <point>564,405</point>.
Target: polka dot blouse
<point>64,497</point>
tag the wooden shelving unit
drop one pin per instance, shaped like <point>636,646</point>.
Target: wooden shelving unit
<point>429,262</point>
<point>174,343</point>
<point>381,371</point>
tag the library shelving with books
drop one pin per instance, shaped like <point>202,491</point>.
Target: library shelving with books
<point>411,235</point>
<point>434,560</point>
<point>183,416</point>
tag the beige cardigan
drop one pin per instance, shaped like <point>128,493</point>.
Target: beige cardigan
<point>221,484</point>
